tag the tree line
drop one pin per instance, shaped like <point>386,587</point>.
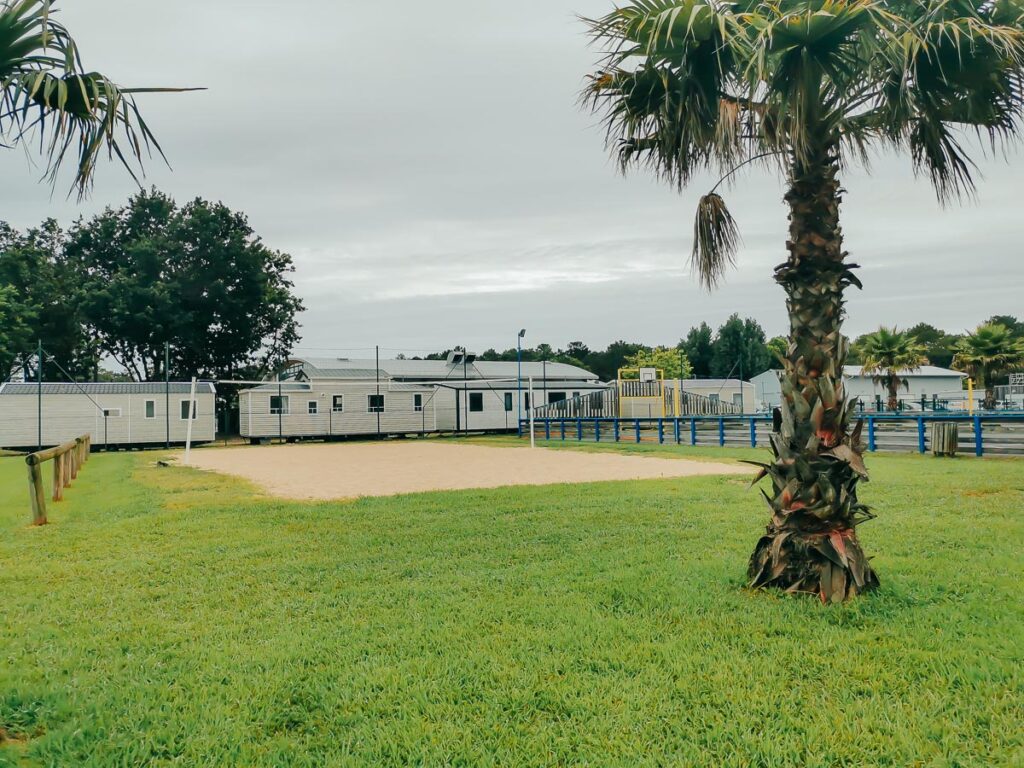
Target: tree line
<point>135,282</point>
<point>739,349</point>
<point>738,346</point>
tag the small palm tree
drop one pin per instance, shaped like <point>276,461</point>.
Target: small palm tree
<point>888,354</point>
<point>43,89</point>
<point>988,353</point>
<point>806,88</point>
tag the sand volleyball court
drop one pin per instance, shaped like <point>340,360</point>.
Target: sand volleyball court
<point>346,470</point>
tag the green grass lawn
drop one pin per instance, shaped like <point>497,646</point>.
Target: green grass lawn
<point>168,617</point>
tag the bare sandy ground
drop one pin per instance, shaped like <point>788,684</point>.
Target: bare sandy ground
<point>346,470</point>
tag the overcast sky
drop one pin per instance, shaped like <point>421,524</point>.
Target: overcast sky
<point>428,169</point>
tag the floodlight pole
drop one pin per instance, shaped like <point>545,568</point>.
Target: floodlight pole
<point>519,382</point>
<point>533,441</point>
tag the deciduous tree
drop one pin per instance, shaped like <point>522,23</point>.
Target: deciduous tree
<point>196,277</point>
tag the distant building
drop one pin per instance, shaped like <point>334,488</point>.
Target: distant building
<point>114,414</point>
<point>325,397</point>
<point>741,394</point>
<point>940,385</point>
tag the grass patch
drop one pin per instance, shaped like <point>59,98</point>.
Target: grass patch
<point>172,617</point>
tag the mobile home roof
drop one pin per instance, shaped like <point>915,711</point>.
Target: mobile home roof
<point>106,388</point>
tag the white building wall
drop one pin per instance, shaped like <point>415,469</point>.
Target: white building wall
<point>68,416</point>
<point>769,392</point>
<point>945,387</point>
<point>446,408</point>
<point>727,392</point>
<point>399,416</point>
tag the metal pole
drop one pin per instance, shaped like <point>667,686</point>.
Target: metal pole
<point>167,391</point>
<point>519,385</point>
<point>465,385</point>
<point>376,364</point>
<point>39,394</point>
<point>544,383</point>
<point>191,415</point>
<point>519,382</point>
<point>533,441</point>
<point>280,411</point>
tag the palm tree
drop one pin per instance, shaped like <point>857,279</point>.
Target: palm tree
<point>806,89</point>
<point>888,353</point>
<point>44,91</point>
<point>988,353</point>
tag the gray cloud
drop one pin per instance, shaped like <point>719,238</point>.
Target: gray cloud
<point>428,168</point>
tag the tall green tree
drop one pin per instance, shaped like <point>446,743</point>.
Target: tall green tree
<point>15,335</point>
<point>44,300</point>
<point>46,95</point>
<point>806,88</point>
<point>1011,323</point>
<point>776,346</point>
<point>699,348</point>
<point>671,362</point>
<point>888,354</point>
<point>987,354</point>
<point>196,277</point>
<point>938,345</point>
<point>739,349</point>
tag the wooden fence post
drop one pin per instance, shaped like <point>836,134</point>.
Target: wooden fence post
<point>67,459</point>
<point>58,479</point>
<point>35,490</point>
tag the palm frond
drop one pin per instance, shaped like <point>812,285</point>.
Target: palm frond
<point>716,240</point>
<point>44,94</point>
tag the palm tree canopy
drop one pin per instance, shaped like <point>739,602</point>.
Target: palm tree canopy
<point>693,85</point>
<point>989,351</point>
<point>45,90</point>
<point>888,351</point>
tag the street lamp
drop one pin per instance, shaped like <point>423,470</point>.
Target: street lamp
<point>519,382</point>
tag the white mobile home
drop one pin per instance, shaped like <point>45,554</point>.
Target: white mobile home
<point>739,394</point>
<point>928,382</point>
<point>325,397</point>
<point>114,414</point>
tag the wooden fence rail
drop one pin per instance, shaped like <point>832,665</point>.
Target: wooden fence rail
<point>67,461</point>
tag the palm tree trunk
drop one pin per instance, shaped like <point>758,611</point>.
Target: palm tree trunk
<point>894,392</point>
<point>811,544</point>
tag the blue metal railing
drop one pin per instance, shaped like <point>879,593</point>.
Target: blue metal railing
<point>744,429</point>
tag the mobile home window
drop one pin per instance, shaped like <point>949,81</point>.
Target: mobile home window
<point>312,407</point>
<point>713,397</point>
<point>112,413</point>
<point>508,402</point>
<point>417,403</point>
<point>476,402</point>
<point>278,405</point>
<point>375,403</point>
<point>151,409</point>
<point>556,397</point>
<point>526,400</point>
<point>575,395</point>
<point>185,409</point>
<point>339,404</point>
